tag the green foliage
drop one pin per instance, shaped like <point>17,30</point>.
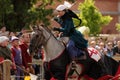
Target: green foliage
<point>92,17</point>
<point>11,22</point>
<point>76,22</point>
<point>16,14</point>
<point>35,15</point>
<point>117,26</point>
<point>5,9</point>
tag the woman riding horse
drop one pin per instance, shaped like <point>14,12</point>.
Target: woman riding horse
<point>77,44</point>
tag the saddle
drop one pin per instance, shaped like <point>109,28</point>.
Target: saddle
<point>64,40</point>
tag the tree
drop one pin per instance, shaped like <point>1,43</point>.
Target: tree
<point>92,17</point>
<point>5,9</point>
<point>16,14</point>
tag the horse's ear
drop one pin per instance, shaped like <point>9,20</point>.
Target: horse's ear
<point>39,27</point>
<point>42,25</point>
<point>37,36</point>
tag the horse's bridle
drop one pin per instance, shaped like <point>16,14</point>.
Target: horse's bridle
<point>48,37</point>
<point>50,34</point>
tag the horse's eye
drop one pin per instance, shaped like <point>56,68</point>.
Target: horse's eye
<point>37,36</point>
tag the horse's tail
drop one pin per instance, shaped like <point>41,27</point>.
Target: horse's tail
<point>113,69</point>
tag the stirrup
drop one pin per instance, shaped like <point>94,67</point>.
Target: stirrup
<point>73,64</point>
<point>72,68</point>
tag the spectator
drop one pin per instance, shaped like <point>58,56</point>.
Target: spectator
<point>93,44</point>
<point>102,49</point>
<point>3,31</point>
<point>3,54</point>
<point>16,51</point>
<point>4,50</point>
<point>116,49</point>
<point>26,58</point>
<point>109,49</point>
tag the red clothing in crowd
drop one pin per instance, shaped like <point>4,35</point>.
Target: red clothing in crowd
<point>1,60</point>
<point>26,58</point>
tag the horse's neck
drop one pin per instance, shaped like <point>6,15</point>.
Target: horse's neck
<point>53,49</point>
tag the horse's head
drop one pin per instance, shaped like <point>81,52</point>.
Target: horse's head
<point>43,37</point>
<point>37,40</point>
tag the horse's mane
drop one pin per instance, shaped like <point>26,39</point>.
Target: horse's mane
<point>48,30</point>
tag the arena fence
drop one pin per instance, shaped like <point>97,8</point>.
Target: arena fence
<point>5,74</point>
<point>5,70</point>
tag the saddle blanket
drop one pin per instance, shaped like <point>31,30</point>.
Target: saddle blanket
<point>94,54</point>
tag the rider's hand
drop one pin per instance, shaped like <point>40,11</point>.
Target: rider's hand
<point>56,29</point>
<point>57,19</point>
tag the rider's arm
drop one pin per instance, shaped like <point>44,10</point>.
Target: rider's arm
<point>66,27</point>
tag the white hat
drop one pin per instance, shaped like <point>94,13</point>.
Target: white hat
<point>67,4</point>
<point>61,7</point>
<point>3,38</point>
<point>14,38</point>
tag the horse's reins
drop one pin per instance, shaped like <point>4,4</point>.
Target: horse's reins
<point>48,37</point>
<point>63,42</point>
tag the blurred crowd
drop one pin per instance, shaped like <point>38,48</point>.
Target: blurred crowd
<point>106,47</point>
<point>14,46</point>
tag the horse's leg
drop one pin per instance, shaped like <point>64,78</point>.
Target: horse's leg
<point>58,66</point>
<point>47,74</point>
<point>58,70</point>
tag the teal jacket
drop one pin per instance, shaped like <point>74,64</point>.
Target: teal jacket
<point>69,30</point>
